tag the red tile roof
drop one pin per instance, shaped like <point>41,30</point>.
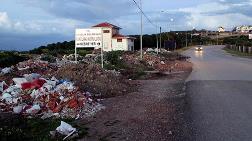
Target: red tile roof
<point>105,24</point>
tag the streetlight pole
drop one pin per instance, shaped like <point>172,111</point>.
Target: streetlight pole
<point>160,38</point>
<point>141,36</point>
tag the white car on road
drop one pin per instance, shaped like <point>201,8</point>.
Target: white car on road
<point>199,48</point>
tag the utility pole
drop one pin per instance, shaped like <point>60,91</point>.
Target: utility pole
<point>141,36</point>
<point>186,40</point>
<point>157,38</point>
<point>160,46</point>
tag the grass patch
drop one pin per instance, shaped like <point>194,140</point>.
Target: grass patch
<point>114,60</point>
<point>238,53</point>
<point>14,127</point>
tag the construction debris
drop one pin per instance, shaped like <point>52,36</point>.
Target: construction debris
<point>92,78</point>
<point>36,96</point>
<point>6,70</point>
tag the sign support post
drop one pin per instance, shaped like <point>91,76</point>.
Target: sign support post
<point>250,36</point>
<point>75,54</point>
<point>102,64</point>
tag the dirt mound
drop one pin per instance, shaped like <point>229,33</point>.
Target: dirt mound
<point>92,78</point>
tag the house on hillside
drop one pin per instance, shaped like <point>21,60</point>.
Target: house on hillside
<point>221,29</point>
<point>113,40</point>
<point>243,29</point>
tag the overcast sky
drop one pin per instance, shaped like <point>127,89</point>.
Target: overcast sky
<point>26,24</point>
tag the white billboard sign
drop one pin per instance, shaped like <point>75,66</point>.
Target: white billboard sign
<point>88,38</point>
<point>250,36</point>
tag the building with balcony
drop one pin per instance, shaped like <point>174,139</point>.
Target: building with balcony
<point>113,40</point>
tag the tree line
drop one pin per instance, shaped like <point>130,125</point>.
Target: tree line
<point>149,41</point>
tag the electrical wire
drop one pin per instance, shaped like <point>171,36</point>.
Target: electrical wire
<point>148,19</point>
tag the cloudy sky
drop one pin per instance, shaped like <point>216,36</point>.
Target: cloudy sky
<point>25,24</point>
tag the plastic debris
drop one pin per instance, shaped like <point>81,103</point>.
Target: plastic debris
<point>19,81</point>
<point>150,50</point>
<point>33,110</point>
<point>65,129</point>
<point>6,70</point>
<point>7,98</point>
<point>38,83</point>
<point>18,109</point>
<point>32,76</point>
<point>3,86</point>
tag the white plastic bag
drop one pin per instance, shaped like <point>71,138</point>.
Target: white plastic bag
<point>2,84</point>
<point>18,109</point>
<point>19,81</point>
<point>32,76</point>
<point>7,97</point>
<point>6,70</point>
<point>65,129</point>
<point>33,110</point>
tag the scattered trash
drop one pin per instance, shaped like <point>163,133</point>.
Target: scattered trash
<point>150,50</point>
<point>35,84</point>
<point>33,110</point>
<point>19,81</point>
<point>18,109</point>
<point>3,86</point>
<point>65,129</point>
<point>32,76</point>
<point>92,78</point>
<point>6,70</point>
<point>34,95</point>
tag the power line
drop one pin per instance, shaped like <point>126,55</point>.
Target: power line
<point>148,19</point>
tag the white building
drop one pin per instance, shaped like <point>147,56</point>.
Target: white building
<point>113,40</point>
<point>221,29</point>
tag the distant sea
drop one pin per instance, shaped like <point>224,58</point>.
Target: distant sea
<point>26,43</point>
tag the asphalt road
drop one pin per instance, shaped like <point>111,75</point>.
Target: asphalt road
<point>219,97</point>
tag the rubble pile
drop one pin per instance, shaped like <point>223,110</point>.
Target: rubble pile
<point>31,64</point>
<point>158,63</point>
<point>131,58</point>
<point>165,61</point>
<point>27,67</point>
<point>36,96</point>
<point>92,78</point>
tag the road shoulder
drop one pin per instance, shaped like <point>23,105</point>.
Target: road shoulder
<point>154,112</point>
